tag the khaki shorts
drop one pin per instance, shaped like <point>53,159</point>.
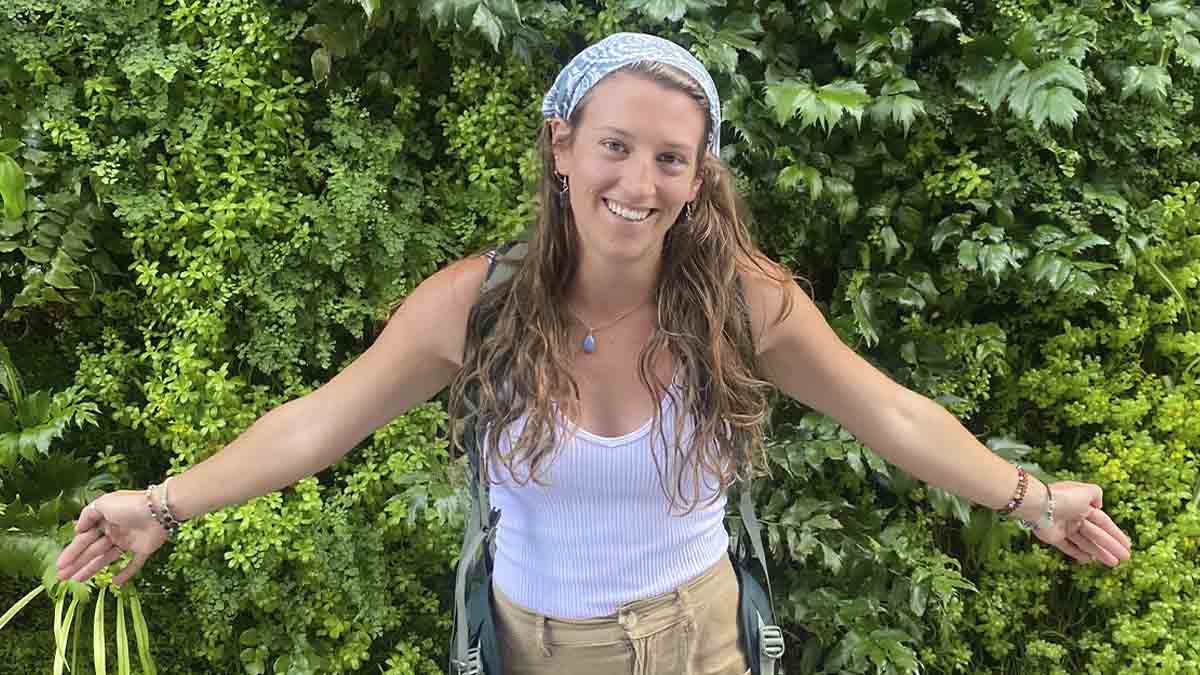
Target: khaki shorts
<point>692,630</point>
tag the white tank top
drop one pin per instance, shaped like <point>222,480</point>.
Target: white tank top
<point>598,532</point>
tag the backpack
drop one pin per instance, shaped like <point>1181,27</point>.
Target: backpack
<point>474,648</point>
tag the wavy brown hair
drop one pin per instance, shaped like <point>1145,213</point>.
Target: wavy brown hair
<point>518,348</point>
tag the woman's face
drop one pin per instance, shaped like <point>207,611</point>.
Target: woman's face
<point>631,165</point>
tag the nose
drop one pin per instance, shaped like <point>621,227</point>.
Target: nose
<point>640,177</point>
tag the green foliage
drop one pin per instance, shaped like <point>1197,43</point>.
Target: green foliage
<point>995,202</point>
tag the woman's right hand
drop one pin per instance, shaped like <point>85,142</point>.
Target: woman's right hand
<point>113,524</point>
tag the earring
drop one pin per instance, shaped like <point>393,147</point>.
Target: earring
<point>562,180</point>
<point>687,213</point>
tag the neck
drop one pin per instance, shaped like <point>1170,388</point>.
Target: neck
<point>605,288</point>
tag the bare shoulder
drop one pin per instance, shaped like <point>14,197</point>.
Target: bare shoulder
<point>437,310</point>
<point>773,297</point>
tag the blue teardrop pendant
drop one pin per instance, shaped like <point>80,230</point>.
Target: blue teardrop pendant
<point>589,343</point>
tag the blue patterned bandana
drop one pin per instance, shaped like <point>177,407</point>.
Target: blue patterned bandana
<point>616,51</point>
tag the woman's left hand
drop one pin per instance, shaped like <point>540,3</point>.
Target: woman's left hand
<point>1081,528</point>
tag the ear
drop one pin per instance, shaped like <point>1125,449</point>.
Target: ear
<point>697,183</point>
<point>560,143</point>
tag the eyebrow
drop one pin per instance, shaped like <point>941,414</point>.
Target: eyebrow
<point>683,147</point>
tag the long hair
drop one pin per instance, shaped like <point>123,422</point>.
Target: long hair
<point>522,365</point>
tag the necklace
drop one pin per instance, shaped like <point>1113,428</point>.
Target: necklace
<point>589,340</point>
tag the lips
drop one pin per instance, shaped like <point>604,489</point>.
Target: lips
<point>627,212</point>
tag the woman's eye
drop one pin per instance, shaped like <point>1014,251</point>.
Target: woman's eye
<point>671,159</point>
<point>615,146</point>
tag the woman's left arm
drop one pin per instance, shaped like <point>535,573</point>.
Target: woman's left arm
<point>803,356</point>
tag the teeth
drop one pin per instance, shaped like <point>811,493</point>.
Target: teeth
<point>627,213</point>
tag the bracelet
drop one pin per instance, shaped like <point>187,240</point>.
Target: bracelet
<point>1018,495</point>
<point>1047,518</point>
<point>161,511</point>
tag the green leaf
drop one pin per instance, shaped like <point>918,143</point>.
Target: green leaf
<point>321,64</point>
<point>1188,49</point>
<point>1057,105</point>
<point>891,243</point>
<point>1061,72</point>
<point>486,22</point>
<point>370,7</point>
<point>99,657</point>
<point>968,255</point>
<point>141,632</point>
<point>792,176</point>
<point>10,145</point>
<point>786,97</point>
<point>1146,81</point>
<point>12,187</point>
<point>948,227</point>
<point>1168,8</point>
<point>672,10</point>
<point>123,664</point>
<point>997,85</point>
<point>900,86</point>
<point>19,605</point>
<point>938,15</point>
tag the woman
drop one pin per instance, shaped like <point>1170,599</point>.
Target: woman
<point>624,375</point>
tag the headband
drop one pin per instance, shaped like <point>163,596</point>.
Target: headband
<point>615,52</point>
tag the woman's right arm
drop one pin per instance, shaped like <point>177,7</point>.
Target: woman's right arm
<point>414,358</point>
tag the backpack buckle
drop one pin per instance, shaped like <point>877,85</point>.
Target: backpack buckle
<point>472,665</point>
<point>770,641</point>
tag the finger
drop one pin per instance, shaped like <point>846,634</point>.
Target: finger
<point>131,569</point>
<point>1074,551</point>
<point>100,562</point>
<point>1105,542</point>
<point>71,557</point>
<point>1087,546</point>
<point>88,518</point>
<point>1098,499</point>
<point>1102,519</point>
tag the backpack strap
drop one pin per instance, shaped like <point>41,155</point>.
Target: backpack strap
<point>479,534</point>
<point>770,636</point>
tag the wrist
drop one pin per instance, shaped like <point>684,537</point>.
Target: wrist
<point>1033,507</point>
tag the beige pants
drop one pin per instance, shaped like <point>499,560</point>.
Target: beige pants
<point>692,630</point>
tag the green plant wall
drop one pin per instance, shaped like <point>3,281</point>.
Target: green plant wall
<point>996,202</point>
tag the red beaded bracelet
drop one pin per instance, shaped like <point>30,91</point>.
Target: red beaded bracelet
<point>1019,494</point>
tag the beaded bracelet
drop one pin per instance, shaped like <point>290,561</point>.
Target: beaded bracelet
<point>1018,495</point>
<point>162,510</point>
<point>1047,517</point>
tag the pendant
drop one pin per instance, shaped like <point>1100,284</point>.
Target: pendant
<point>589,343</point>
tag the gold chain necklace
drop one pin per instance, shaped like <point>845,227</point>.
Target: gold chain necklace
<point>589,340</point>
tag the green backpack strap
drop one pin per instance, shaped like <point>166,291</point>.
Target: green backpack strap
<point>770,636</point>
<point>482,519</point>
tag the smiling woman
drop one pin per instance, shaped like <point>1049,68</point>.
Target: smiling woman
<point>618,379</point>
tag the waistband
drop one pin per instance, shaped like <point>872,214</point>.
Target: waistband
<point>633,620</point>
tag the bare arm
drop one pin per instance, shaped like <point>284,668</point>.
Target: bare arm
<point>806,360</point>
<point>416,356</point>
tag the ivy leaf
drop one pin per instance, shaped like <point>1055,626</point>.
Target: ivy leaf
<point>1168,8</point>
<point>996,86</point>
<point>1147,81</point>
<point>949,226</point>
<point>9,145</point>
<point>1062,72</point>
<point>938,15</point>
<point>900,86</point>
<point>12,187</point>
<point>968,255</point>
<point>1056,104</point>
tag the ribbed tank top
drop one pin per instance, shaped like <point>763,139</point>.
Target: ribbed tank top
<point>598,532</point>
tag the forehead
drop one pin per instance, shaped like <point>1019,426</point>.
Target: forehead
<point>646,109</point>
